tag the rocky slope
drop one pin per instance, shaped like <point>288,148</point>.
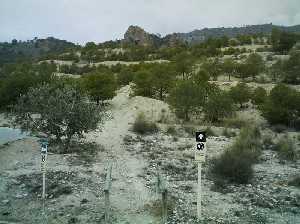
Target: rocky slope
<point>139,36</point>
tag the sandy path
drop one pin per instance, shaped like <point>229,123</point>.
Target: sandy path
<point>129,193</point>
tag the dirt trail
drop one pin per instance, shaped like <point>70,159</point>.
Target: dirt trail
<point>129,193</point>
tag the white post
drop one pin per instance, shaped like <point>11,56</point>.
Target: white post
<point>199,191</point>
<point>43,167</point>
<point>44,185</point>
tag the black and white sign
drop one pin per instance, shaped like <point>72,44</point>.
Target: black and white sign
<point>200,136</point>
<point>200,146</point>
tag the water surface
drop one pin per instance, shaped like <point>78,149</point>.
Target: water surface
<point>10,134</point>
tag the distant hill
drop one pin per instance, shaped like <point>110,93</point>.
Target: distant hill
<point>32,49</point>
<point>137,35</point>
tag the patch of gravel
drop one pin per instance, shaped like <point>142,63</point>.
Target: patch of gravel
<point>267,199</point>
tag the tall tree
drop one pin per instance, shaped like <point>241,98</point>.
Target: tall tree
<point>100,86</point>
<point>184,64</point>
<point>255,64</point>
<point>240,94</point>
<point>229,67</point>
<point>276,70</point>
<point>185,98</point>
<point>163,78</point>
<point>218,106</point>
<point>144,85</point>
<point>213,67</point>
<point>291,68</point>
<point>282,106</point>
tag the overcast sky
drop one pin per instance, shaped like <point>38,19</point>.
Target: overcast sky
<point>81,21</point>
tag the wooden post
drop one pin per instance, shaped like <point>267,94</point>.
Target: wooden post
<point>162,188</point>
<point>164,207</point>
<point>106,192</point>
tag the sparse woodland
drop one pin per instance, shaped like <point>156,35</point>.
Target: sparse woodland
<point>244,91</point>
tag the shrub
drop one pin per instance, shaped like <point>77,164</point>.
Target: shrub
<point>295,181</point>
<point>291,68</point>
<point>235,163</point>
<point>279,128</point>
<point>185,98</point>
<point>210,132</point>
<point>240,93</point>
<point>190,130</point>
<point>235,123</point>
<point>259,96</point>
<point>286,149</point>
<point>141,126</point>
<point>171,130</point>
<point>63,113</point>
<point>227,133</point>
<point>218,106</point>
<point>100,86</point>
<point>269,57</point>
<point>268,142</point>
<point>282,106</point>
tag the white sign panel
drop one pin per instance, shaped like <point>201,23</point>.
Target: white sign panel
<point>200,146</point>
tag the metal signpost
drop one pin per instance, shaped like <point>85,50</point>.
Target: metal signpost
<point>200,158</point>
<point>44,151</point>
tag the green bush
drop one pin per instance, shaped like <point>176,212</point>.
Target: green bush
<point>268,142</point>
<point>235,163</point>
<point>227,133</point>
<point>234,166</point>
<point>240,93</point>
<point>235,122</point>
<point>210,132</point>
<point>190,130</point>
<point>141,126</point>
<point>259,96</point>
<point>282,106</point>
<point>218,106</point>
<point>171,130</point>
<point>279,128</point>
<point>286,149</point>
<point>269,57</point>
<point>295,181</point>
<point>125,76</point>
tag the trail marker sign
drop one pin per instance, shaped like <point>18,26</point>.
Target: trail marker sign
<point>44,151</point>
<point>200,136</point>
<point>200,158</point>
<point>200,146</point>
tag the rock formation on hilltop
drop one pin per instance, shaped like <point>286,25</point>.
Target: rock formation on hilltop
<point>138,36</point>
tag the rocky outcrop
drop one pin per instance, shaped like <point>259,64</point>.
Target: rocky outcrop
<point>197,36</point>
<point>138,36</point>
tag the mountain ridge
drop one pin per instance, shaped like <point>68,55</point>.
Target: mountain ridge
<point>199,35</point>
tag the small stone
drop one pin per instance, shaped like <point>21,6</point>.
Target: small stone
<point>19,196</point>
<point>84,201</point>
<point>5,202</point>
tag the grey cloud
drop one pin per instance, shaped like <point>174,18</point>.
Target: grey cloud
<point>97,20</point>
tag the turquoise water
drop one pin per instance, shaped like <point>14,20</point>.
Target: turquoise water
<point>10,134</point>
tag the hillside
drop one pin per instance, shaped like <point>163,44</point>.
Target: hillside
<point>32,49</point>
<point>137,34</point>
